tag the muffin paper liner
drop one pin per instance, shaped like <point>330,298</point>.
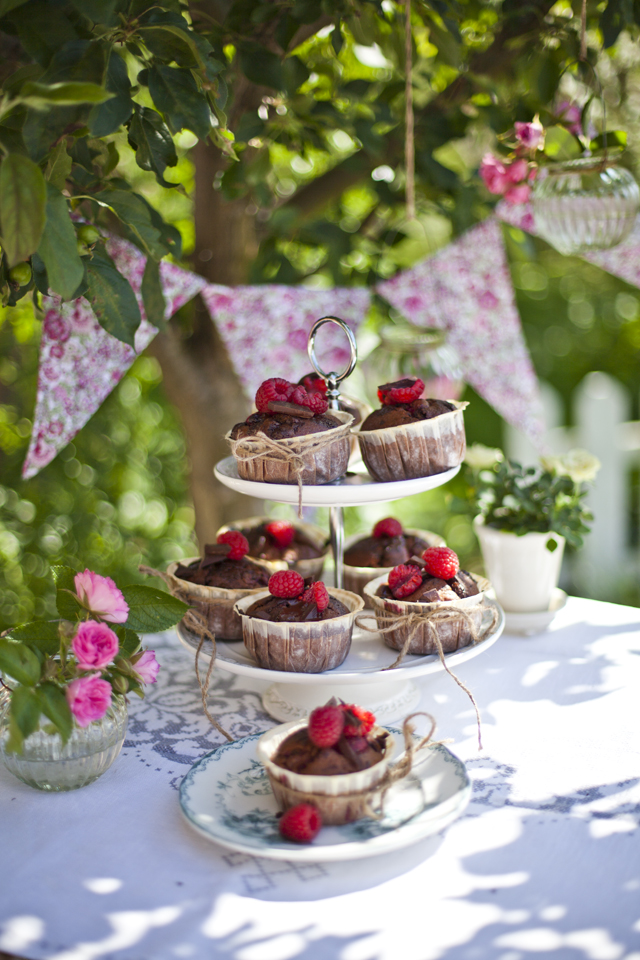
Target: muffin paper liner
<point>313,459</point>
<point>356,578</point>
<point>311,647</point>
<point>216,604</point>
<point>419,449</point>
<point>341,798</point>
<point>454,621</point>
<point>306,568</point>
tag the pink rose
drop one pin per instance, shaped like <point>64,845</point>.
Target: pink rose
<point>570,115</point>
<point>494,174</point>
<point>94,645</point>
<point>529,134</point>
<point>517,171</point>
<point>147,667</point>
<point>518,194</point>
<point>101,596</point>
<point>89,698</point>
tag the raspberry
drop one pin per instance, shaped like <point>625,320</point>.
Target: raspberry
<point>326,725</point>
<point>404,579</point>
<point>441,562</point>
<point>387,528</point>
<point>238,543</point>
<point>357,721</point>
<point>318,404</point>
<point>286,584</point>
<point>313,384</point>
<point>274,389</point>
<point>281,531</point>
<point>317,593</point>
<point>401,391</point>
<point>300,823</point>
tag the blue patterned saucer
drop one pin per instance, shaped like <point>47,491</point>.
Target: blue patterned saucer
<point>226,797</point>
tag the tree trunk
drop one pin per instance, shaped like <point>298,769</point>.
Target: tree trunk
<point>198,375</point>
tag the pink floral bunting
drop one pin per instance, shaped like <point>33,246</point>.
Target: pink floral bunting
<point>80,363</point>
<point>466,289</point>
<point>265,328</point>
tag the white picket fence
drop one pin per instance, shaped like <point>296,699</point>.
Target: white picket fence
<point>608,566</point>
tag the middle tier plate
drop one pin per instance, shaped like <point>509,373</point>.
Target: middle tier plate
<point>352,490</point>
<point>366,661</point>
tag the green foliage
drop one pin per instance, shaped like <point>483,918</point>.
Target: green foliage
<point>531,499</point>
<point>151,610</point>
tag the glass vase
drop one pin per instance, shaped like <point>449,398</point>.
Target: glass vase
<point>584,205</point>
<point>409,351</point>
<point>46,764</point>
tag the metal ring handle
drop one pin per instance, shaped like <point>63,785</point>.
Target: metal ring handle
<point>311,349</point>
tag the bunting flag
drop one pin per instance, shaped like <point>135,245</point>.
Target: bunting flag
<point>265,328</point>
<point>466,289</point>
<point>80,363</point>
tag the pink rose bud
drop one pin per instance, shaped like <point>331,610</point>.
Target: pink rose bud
<point>94,645</point>
<point>101,596</point>
<point>147,667</point>
<point>517,171</point>
<point>518,194</point>
<point>89,698</point>
<point>494,174</point>
<point>529,134</point>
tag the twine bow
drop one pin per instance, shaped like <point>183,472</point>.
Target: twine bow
<point>194,622</point>
<point>431,619</point>
<point>274,451</point>
<point>404,765</point>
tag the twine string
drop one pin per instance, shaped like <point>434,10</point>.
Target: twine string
<point>195,622</point>
<point>409,147</point>
<point>264,448</point>
<point>412,622</point>
<point>404,765</point>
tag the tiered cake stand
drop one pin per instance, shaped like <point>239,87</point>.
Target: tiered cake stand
<point>363,678</point>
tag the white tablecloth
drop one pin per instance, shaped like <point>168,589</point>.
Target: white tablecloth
<point>546,860</point>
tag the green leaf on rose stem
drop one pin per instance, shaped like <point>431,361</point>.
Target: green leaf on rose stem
<point>41,634</point>
<point>23,197</point>
<point>66,600</point>
<point>152,295</point>
<point>59,247</point>
<point>25,710</point>
<point>152,610</point>
<point>129,641</point>
<point>19,662</point>
<point>112,298</point>
<point>53,704</point>
<point>559,144</point>
<point>614,141</point>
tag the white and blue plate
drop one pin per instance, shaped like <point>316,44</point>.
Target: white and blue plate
<point>226,797</point>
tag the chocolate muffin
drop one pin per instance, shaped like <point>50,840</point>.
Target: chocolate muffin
<point>216,570</point>
<point>283,441</point>
<point>410,436</point>
<point>295,610</point>
<point>398,415</point>
<point>284,425</point>
<point>436,590</point>
<point>387,546</point>
<point>300,755</point>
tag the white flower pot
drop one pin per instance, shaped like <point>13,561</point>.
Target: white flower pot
<point>522,571</point>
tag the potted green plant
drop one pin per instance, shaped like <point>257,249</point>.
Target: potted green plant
<point>525,516</point>
<point>63,712</point>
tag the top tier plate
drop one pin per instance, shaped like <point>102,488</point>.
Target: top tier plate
<point>350,491</point>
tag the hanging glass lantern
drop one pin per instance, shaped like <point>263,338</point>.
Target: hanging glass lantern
<point>583,205</point>
<point>409,351</point>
